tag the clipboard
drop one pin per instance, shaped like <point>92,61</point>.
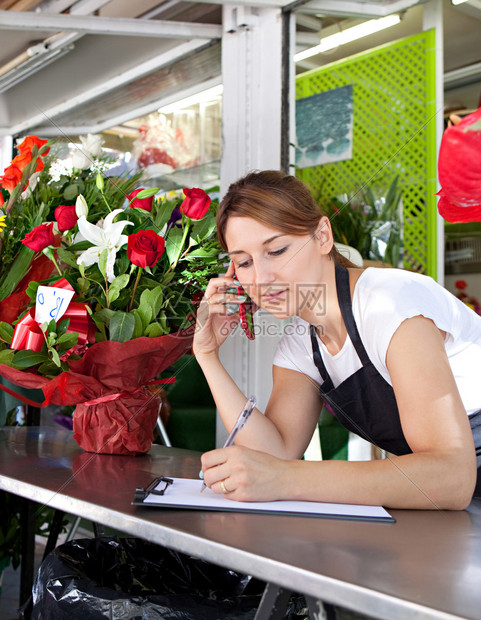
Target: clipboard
<point>184,493</point>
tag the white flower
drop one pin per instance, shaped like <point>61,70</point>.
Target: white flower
<point>92,144</point>
<point>82,157</point>
<point>81,160</point>
<point>81,207</point>
<point>106,235</point>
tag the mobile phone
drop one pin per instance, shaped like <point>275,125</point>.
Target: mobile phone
<point>246,311</point>
<point>246,314</point>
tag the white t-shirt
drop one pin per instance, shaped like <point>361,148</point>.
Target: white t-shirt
<point>382,300</point>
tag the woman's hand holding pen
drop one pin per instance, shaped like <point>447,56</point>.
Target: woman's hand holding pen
<point>245,475</point>
<point>215,321</point>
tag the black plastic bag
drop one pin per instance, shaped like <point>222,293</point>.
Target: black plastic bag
<point>129,578</point>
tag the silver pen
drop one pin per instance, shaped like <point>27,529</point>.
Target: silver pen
<point>238,426</point>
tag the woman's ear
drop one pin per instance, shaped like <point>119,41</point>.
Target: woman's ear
<point>324,235</point>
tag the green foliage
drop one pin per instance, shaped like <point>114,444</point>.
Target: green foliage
<point>369,221</point>
<point>124,300</point>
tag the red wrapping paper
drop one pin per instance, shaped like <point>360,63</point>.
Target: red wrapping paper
<point>114,374</point>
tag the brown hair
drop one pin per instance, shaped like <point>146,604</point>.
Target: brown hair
<point>275,199</point>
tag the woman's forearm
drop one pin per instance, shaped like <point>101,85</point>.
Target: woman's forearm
<point>421,480</point>
<point>260,433</point>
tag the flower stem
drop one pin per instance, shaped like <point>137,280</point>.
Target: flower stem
<point>134,290</point>
<point>49,253</point>
<point>184,237</point>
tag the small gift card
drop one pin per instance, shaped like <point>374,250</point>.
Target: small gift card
<point>51,303</point>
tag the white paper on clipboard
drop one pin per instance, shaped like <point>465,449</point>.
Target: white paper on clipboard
<point>185,493</point>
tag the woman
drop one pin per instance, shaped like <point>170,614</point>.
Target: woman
<point>400,367</point>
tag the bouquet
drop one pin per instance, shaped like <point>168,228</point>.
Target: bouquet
<point>103,280</point>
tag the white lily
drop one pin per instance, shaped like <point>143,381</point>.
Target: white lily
<point>106,235</point>
<point>81,207</point>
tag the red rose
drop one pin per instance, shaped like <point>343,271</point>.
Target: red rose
<point>22,160</point>
<point>30,142</point>
<point>196,203</point>
<point>66,217</point>
<point>40,237</point>
<point>145,248</point>
<point>140,203</point>
<point>11,178</point>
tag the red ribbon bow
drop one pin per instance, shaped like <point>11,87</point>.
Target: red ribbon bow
<point>28,335</point>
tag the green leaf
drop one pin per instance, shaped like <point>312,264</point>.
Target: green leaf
<point>6,332</point>
<point>102,317</point>
<point>83,285</point>
<point>145,313</point>
<point>62,327</point>
<point>122,325</point>
<point>154,330</point>
<point>103,262</point>
<point>117,285</point>
<point>163,215</point>
<point>32,289</point>
<point>68,341</point>
<point>80,246</point>
<point>67,257</point>
<point>6,356</point>
<point>25,359</point>
<point>16,272</point>
<point>71,192</point>
<point>202,253</point>
<point>139,325</point>
<point>173,245</point>
<point>146,193</point>
<point>203,228</point>
<point>152,298</point>
<point>55,357</point>
<point>168,278</point>
<point>163,322</point>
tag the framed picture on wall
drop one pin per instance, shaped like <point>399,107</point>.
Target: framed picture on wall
<point>324,127</point>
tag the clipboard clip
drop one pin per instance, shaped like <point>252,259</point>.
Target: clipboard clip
<point>141,494</point>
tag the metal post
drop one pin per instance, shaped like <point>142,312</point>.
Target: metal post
<point>433,18</point>
<point>251,129</point>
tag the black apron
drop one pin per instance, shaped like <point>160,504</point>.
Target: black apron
<point>364,403</point>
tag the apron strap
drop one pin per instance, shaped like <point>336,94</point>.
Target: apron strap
<point>318,361</point>
<point>344,298</point>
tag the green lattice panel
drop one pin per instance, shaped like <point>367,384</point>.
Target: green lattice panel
<point>393,134</point>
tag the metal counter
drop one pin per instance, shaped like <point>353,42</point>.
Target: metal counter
<point>426,565</point>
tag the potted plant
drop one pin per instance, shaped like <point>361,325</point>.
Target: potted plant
<point>116,308</point>
<point>370,221</point>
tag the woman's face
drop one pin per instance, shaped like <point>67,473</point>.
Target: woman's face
<point>283,274</point>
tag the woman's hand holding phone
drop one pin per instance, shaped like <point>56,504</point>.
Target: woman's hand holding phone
<point>218,313</point>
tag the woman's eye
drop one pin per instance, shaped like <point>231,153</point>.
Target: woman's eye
<point>278,252</point>
<point>245,263</point>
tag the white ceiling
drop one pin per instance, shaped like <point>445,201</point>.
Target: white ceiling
<point>135,54</point>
